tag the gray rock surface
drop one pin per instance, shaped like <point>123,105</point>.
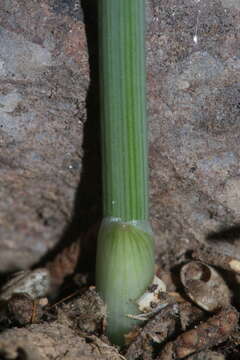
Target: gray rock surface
<point>44,79</point>
<point>193,61</point>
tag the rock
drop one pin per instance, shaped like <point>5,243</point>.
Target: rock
<point>44,79</point>
<point>194,122</point>
<point>193,105</point>
<point>235,4</point>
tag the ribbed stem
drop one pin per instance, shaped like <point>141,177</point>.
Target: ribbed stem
<point>122,86</point>
<point>125,254</point>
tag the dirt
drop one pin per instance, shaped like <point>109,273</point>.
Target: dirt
<point>50,173</point>
<point>74,327</point>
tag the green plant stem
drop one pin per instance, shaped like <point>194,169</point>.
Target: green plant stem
<point>124,133</point>
<point>125,254</point>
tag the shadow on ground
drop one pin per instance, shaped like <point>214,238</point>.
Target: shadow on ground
<point>227,234</point>
<point>87,205</point>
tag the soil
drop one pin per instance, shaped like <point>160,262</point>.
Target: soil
<point>50,177</point>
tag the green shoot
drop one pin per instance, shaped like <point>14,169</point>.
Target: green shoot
<point>125,255</point>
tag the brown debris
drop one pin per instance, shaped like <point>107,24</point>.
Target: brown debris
<point>214,331</point>
<point>25,310</point>
<point>56,340</point>
<point>64,264</point>
<point>211,256</point>
<point>205,286</point>
<point>160,327</point>
<point>10,349</point>
<point>207,355</point>
<point>35,283</point>
<point>157,330</point>
<point>87,312</point>
<point>166,277</point>
<point>189,315</point>
<point>148,306</point>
